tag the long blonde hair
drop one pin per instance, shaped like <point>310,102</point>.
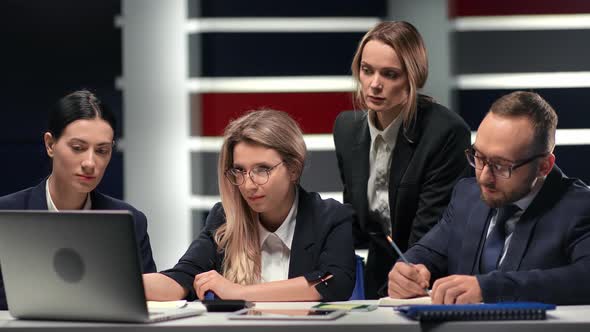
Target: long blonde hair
<point>405,39</point>
<point>238,237</point>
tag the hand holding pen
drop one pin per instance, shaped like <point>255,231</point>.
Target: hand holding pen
<point>406,279</point>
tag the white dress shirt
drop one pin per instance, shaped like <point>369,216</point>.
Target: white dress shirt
<point>51,206</point>
<point>523,204</point>
<point>275,248</point>
<point>380,156</point>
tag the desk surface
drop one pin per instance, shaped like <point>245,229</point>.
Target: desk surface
<point>565,318</point>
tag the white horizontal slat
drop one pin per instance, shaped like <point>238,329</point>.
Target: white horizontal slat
<point>281,24</point>
<point>264,84</point>
<point>319,142</point>
<point>563,137</point>
<point>523,80</point>
<point>271,84</point>
<point>200,202</point>
<point>325,142</point>
<point>523,22</point>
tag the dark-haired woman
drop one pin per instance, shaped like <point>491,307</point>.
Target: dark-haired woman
<point>80,142</point>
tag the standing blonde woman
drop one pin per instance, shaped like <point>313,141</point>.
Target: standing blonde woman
<point>401,156</point>
<point>268,239</point>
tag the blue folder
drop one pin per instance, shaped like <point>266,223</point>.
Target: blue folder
<point>484,311</point>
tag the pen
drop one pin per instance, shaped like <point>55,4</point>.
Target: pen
<point>401,255</point>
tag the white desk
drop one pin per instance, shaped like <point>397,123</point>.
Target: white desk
<point>565,318</point>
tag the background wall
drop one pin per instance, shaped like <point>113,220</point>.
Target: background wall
<point>177,71</point>
<point>50,48</point>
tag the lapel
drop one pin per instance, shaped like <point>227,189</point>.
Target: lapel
<point>302,252</point>
<point>401,156</point>
<point>38,197</point>
<point>547,197</point>
<point>406,142</point>
<point>360,176</point>
<point>473,235</point>
<point>98,201</point>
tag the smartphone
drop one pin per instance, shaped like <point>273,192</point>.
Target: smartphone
<point>346,306</point>
<point>286,314</point>
<point>220,305</point>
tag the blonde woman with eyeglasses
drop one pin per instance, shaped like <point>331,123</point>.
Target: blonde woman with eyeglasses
<point>268,239</point>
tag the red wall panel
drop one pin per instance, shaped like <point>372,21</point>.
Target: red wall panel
<point>459,8</point>
<point>315,112</point>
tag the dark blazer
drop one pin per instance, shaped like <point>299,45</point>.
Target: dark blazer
<point>322,244</point>
<point>34,198</point>
<point>428,159</point>
<point>548,259</point>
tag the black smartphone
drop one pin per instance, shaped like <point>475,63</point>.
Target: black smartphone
<point>226,305</point>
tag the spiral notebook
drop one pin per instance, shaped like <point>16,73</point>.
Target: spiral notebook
<point>483,311</point>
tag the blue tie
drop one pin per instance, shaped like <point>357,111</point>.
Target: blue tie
<point>495,241</point>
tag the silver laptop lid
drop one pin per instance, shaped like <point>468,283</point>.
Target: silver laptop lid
<point>81,265</point>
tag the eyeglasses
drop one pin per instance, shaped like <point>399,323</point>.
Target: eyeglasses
<point>505,171</point>
<point>258,175</point>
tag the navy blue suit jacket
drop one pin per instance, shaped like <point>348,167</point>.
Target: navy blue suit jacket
<point>322,244</point>
<point>34,198</point>
<point>548,258</point>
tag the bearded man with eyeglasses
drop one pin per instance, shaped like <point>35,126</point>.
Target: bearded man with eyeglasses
<point>518,231</point>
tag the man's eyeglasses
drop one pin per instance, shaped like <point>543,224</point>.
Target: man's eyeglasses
<point>258,175</point>
<point>505,171</point>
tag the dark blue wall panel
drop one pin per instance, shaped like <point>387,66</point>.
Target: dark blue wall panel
<point>274,8</point>
<point>573,161</point>
<point>571,104</point>
<point>521,51</point>
<point>272,54</point>
<point>51,48</point>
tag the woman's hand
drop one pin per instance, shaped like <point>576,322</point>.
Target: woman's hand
<point>215,282</point>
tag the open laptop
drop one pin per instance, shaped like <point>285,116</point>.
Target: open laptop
<point>81,265</point>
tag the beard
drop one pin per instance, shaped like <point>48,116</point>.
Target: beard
<point>503,198</point>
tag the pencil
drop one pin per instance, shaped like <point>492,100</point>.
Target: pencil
<point>401,255</point>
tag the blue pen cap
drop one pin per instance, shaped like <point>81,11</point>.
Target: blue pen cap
<point>209,295</point>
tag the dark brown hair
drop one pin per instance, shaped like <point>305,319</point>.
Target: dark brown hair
<point>537,110</point>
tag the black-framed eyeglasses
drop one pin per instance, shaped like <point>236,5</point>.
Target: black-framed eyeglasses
<point>258,175</point>
<point>505,171</point>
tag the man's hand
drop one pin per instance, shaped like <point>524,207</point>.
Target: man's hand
<point>456,289</point>
<point>408,280</point>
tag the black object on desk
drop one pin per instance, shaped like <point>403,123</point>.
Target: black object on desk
<point>219,305</point>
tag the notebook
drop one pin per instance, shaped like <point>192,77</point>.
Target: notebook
<point>482,311</point>
<point>391,302</point>
<point>81,265</point>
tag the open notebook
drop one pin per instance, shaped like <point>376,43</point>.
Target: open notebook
<point>390,302</point>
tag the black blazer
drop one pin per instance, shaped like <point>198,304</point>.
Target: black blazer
<point>322,244</point>
<point>428,159</point>
<point>34,198</point>
<point>548,259</point>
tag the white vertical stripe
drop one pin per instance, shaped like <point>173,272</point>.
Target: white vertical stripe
<point>157,161</point>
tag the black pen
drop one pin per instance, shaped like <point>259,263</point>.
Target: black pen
<point>401,255</point>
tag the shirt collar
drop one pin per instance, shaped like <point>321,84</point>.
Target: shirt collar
<point>389,134</point>
<point>286,231</point>
<point>524,202</point>
<point>51,206</point>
